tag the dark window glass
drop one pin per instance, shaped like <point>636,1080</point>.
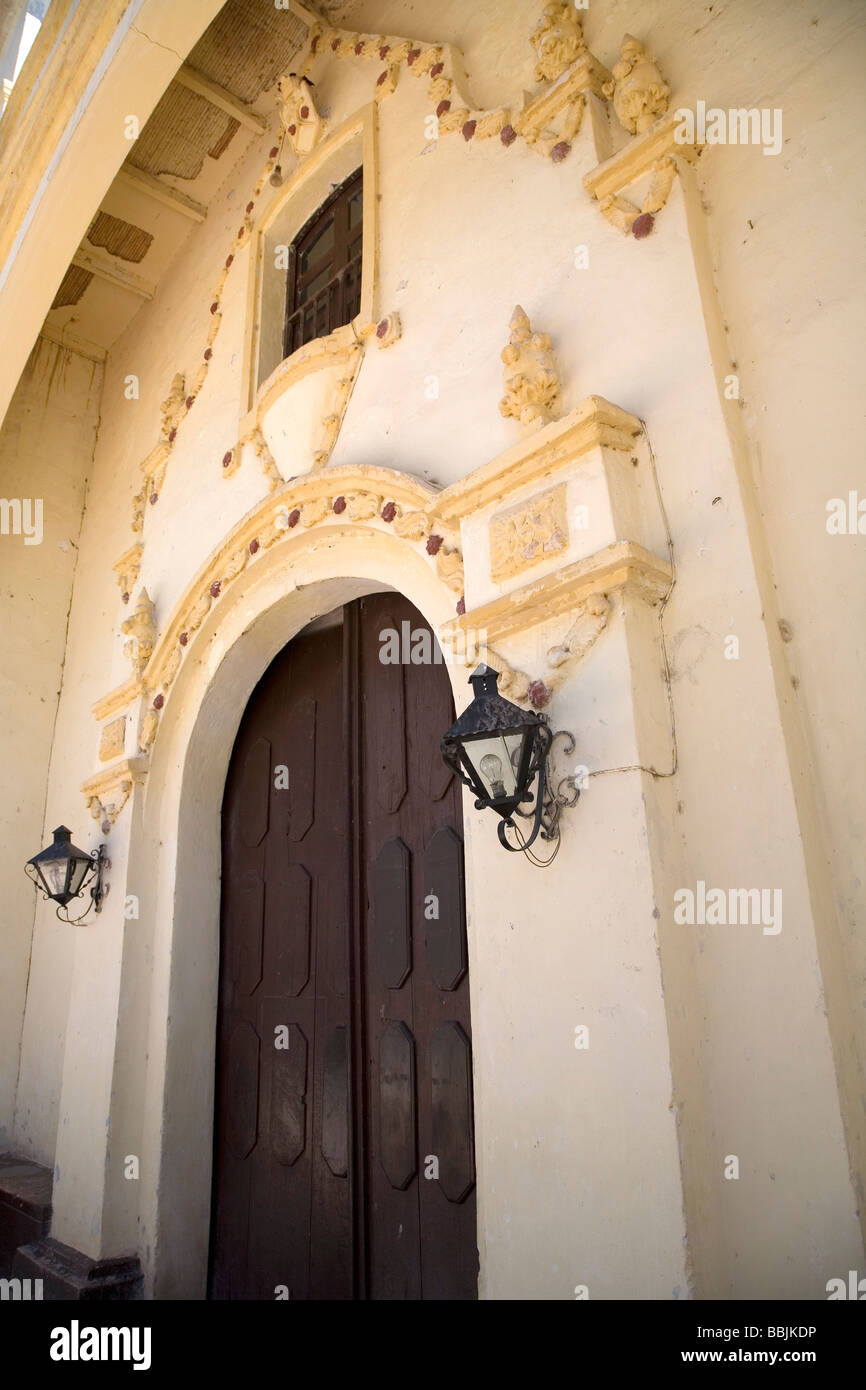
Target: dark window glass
<point>324,284</point>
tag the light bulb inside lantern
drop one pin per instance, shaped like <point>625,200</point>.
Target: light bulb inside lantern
<point>491,769</point>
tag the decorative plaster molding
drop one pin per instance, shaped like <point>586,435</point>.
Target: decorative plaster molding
<point>340,348</point>
<point>548,124</point>
<point>127,569</point>
<point>181,397</point>
<point>172,408</point>
<point>596,423</point>
<point>140,629</point>
<point>108,791</point>
<point>558,40</point>
<point>118,699</point>
<point>623,563</point>
<point>656,154</point>
<point>527,533</point>
<point>259,445</point>
<point>300,119</point>
<point>387,331</point>
<point>112,739</point>
<point>531,376</point>
<point>587,627</point>
<point>366,494</point>
<point>639,92</point>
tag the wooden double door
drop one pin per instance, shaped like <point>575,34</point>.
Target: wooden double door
<point>343,1132</point>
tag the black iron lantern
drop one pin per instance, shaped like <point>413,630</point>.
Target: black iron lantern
<point>500,752</point>
<point>62,872</point>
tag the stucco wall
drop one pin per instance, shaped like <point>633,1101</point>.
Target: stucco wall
<point>46,448</point>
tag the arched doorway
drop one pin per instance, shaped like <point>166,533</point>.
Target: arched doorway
<point>343,1134</point>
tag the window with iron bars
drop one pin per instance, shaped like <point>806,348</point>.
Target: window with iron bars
<point>324,283</point>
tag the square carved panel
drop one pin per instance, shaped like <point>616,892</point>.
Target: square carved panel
<point>528,533</point>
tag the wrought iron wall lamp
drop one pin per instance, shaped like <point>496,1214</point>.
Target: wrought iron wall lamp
<point>498,751</point>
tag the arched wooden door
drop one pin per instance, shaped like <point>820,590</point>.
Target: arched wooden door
<point>343,1133</point>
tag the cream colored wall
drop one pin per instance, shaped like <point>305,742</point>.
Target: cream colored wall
<point>46,448</point>
<point>738,1043</point>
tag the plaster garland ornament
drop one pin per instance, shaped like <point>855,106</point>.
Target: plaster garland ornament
<point>141,632</point>
<point>301,121</point>
<point>531,376</point>
<point>639,221</point>
<point>558,40</point>
<point>639,92</point>
<point>548,125</point>
<point>269,465</point>
<point>554,138</point>
<point>172,408</point>
<point>127,569</point>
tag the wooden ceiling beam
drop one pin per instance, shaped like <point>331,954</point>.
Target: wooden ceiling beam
<point>114,270</point>
<point>161,192</point>
<point>218,96</point>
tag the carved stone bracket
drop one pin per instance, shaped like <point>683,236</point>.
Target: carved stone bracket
<point>108,791</point>
<point>581,591</point>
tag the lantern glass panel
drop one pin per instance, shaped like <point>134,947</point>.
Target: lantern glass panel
<point>79,868</point>
<point>53,873</point>
<point>496,760</point>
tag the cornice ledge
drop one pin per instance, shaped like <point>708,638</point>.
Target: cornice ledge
<point>623,564</point>
<point>118,699</point>
<point>112,778</point>
<point>595,423</point>
<point>637,158</point>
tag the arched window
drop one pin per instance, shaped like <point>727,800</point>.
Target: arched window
<point>324,280</point>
